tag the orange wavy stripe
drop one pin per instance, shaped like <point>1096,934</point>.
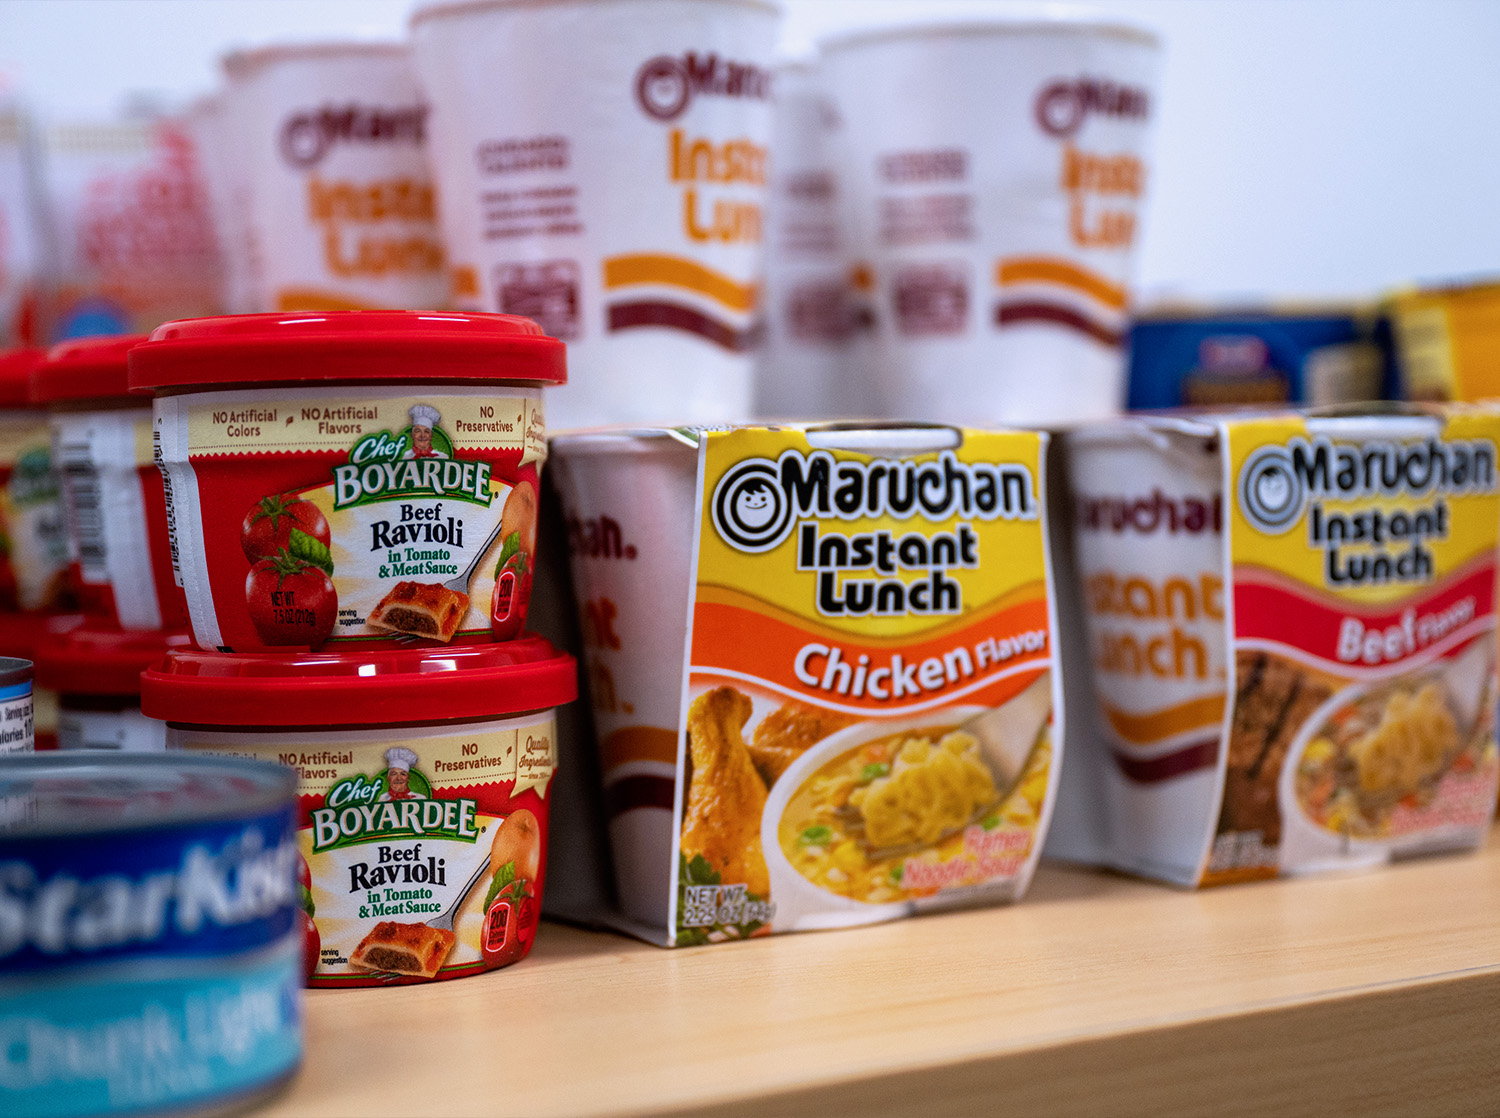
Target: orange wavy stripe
<point>310,299</point>
<point>1052,269</point>
<point>1154,725</point>
<point>675,271</point>
<point>638,743</point>
<point>750,643</point>
<point>737,599</point>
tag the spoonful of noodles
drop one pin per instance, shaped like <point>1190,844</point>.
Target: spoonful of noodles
<point>932,790</point>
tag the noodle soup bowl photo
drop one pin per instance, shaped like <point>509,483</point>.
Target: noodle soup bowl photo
<point>1394,767</point>
<point>887,818</point>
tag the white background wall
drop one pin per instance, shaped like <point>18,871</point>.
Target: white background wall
<point>1303,147</point>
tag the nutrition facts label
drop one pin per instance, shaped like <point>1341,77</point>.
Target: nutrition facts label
<point>16,730</point>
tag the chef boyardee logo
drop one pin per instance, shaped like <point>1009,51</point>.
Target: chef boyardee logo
<point>417,461</point>
<point>394,804</point>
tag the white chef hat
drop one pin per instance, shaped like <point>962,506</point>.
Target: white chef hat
<point>399,757</point>
<point>425,415</point>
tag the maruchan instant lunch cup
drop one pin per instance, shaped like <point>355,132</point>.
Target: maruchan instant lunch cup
<point>341,212</point>
<point>1291,628</point>
<point>113,501</point>
<point>822,670</point>
<point>995,178</point>
<point>603,168</point>
<point>423,777</point>
<point>805,368</point>
<point>152,961</point>
<point>351,478</point>
<point>96,674</point>
<point>34,560</point>
<point>629,498</point>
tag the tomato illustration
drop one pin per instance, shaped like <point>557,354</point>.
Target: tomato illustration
<point>312,945</point>
<point>509,929</point>
<point>511,596</point>
<point>291,601</point>
<point>269,524</point>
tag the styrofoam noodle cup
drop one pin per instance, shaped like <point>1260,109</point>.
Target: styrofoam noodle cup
<point>602,167</point>
<point>995,181</point>
<point>1149,545</point>
<point>804,370</point>
<point>340,201</point>
<point>629,499</point>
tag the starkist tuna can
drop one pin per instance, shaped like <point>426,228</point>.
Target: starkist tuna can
<point>150,949</point>
<point>16,727</point>
<point>113,501</point>
<point>351,478</point>
<point>20,636</point>
<point>423,776</point>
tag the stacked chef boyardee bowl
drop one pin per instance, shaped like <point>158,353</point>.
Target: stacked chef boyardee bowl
<point>352,501</point>
<point>303,571</point>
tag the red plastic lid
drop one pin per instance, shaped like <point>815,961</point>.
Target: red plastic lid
<point>97,661</point>
<point>359,687</point>
<point>348,346</point>
<point>16,367</point>
<point>85,369</point>
<point>21,633</point>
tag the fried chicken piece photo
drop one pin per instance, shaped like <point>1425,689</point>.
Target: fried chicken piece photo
<point>787,733</point>
<point>726,796</point>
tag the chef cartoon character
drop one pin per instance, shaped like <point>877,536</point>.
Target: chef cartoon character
<point>399,760</point>
<point>424,417</point>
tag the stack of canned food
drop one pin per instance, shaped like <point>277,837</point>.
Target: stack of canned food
<point>303,571</point>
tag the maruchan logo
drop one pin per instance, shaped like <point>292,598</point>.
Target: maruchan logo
<point>756,502</point>
<point>308,136</point>
<point>1062,106</point>
<point>1276,482</point>
<point>666,85</point>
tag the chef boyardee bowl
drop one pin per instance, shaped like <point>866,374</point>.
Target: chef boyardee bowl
<point>351,478</point>
<point>423,777</point>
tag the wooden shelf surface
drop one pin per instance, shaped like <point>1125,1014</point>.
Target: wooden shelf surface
<point>1097,994</point>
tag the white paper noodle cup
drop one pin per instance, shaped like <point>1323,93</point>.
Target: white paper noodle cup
<point>629,500</point>
<point>337,195</point>
<point>1150,555</point>
<point>995,180</point>
<point>602,166</point>
<point>804,366</point>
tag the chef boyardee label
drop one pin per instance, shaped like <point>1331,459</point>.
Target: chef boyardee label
<point>33,531</point>
<point>1363,651</point>
<point>869,705</point>
<point>425,848</point>
<point>306,517</point>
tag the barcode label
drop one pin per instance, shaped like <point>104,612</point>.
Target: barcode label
<point>85,503</point>
<point>166,485</point>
